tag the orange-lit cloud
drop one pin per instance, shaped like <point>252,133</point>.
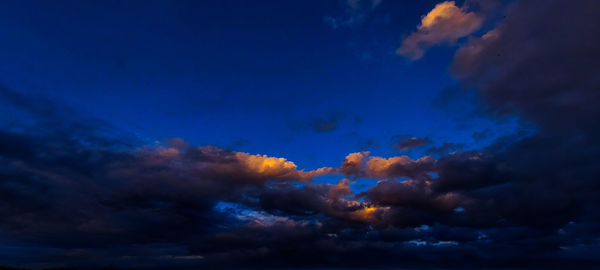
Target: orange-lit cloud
<point>353,163</point>
<point>340,189</point>
<point>349,208</point>
<point>445,23</point>
<point>368,214</point>
<point>361,164</point>
<point>402,166</point>
<point>277,168</point>
<point>214,172</point>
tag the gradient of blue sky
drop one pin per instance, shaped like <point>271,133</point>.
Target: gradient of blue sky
<point>251,76</point>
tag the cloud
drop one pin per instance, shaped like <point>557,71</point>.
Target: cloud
<point>406,144</point>
<point>333,201</point>
<point>324,124</point>
<point>402,166</point>
<point>320,124</point>
<point>276,168</point>
<point>445,23</point>
<point>444,148</point>
<point>548,77</point>
<point>416,194</point>
<point>362,165</point>
<point>355,13</point>
<point>353,163</point>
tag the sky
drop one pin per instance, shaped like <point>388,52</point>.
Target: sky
<point>325,134</point>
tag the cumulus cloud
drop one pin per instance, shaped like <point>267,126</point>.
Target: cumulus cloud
<point>402,166</point>
<point>335,201</point>
<point>276,168</point>
<point>445,23</point>
<point>417,195</point>
<point>363,165</point>
<point>353,163</point>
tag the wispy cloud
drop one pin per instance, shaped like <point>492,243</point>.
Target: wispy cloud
<point>355,13</point>
<point>406,142</point>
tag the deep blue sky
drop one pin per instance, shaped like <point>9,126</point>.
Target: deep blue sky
<point>267,77</point>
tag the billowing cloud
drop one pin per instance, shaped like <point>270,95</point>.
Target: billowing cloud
<point>444,24</point>
<point>353,163</point>
<point>545,76</point>
<point>276,168</point>
<point>402,166</point>
<point>362,165</point>
<point>416,194</point>
<point>335,201</point>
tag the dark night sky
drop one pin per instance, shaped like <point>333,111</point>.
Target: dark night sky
<point>319,134</point>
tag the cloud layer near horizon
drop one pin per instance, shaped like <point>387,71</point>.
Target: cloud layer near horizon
<point>81,199</point>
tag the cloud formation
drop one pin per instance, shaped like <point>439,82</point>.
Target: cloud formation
<point>75,193</point>
<point>362,165</point>
<point>91,203</point>
<point>546,76</point>
<point>444,24</point>
<point>444,148</point>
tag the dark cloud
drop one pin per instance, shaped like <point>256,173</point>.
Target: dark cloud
<point>71,191</point>
<point>480,135</point>
<point>334,201</point>
<point>321,124</point>
<point>74,202</point>
<point>540,62</point>
<point>324,124</point>
<point>415,193</point>
<point>406,143</point>
<point>444,148</point>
